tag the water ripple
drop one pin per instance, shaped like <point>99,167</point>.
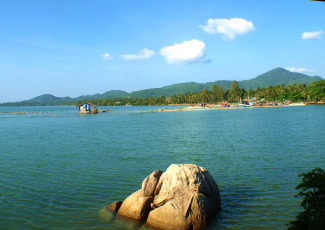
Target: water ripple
<point>59,172</point>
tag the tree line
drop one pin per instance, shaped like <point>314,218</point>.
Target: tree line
<point>295,93</point>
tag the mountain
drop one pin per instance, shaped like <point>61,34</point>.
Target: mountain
<point>277,76</point>
<point>48,98</point>
<point>108,95</point>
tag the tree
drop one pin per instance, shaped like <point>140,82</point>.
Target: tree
<point>204,95</point>
<point>214,94</point>
<point>316,90</point>
<point>281,92</point>
<point>312,189</point>
<point>250,93</point>
<point>218,93</point>
<point>234,91</point>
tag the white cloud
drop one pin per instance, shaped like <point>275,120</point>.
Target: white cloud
<point>230,28</point>
<point>186,52</point>
<point>106,56</point>
<point>143,54</point>
<point>299,70</point>
<point>312,35</point>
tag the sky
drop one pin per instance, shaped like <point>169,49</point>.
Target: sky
<point>73,48</point>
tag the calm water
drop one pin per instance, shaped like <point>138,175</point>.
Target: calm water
<point>58,169</point>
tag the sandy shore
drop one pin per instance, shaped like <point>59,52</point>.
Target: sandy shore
<point>214,107</point>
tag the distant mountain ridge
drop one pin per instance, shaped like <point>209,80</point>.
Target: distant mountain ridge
<point>277,76</point>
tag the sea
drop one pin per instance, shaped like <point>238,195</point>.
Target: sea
<point>59,169</point>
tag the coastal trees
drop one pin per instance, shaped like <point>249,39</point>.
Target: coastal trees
<point>234,94</point>
<point>242,93</point>
<point>204,95</point>
<point>250,93</point>
<point>316,90</point>
<point>218,93</point>
<point>214,94</point>
<point>312,190</point>
<point>302,88</point>
<point>296,92</point>
<point>281,92</point>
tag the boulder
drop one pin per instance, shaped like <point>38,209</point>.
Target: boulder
<point>136,206</point>
<point>186,196</point>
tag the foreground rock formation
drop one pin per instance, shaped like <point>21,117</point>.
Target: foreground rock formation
<point>183,197</point>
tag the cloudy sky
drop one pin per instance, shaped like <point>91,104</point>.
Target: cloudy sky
<point>73,48</point>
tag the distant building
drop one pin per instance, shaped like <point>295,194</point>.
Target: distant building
<point>87,108</point>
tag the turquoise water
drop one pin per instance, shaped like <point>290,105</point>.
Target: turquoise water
<point>58,168</point>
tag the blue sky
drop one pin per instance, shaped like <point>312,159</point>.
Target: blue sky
<point>73,48</point>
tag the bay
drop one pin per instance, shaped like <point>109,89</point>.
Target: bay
<point>58,169</point>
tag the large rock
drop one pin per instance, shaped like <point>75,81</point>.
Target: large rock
<point>185,198</point>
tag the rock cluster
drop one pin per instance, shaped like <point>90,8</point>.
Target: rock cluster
<point>183,197</point>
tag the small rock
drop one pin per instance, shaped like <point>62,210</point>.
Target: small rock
<point>115,206</point>
<point>136,206</point>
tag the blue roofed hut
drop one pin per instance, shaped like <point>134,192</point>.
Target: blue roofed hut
<point>88,108</point>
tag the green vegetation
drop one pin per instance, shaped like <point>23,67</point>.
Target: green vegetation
<point>277,76</point>
<point>275,85</point>
<point>295,93</point>
<point>312,189</point>
<point>234,92</point>
<point>280,93</point>
<point>316,90</point>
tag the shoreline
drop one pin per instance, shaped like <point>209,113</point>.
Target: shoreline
<point>186,107</point>
<point>198,108</point>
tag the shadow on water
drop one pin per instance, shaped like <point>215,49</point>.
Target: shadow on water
<point>120,223</point>
<point>234,202</point>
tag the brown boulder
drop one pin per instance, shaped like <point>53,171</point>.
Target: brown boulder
<point>186,197</point>
<point>136,206</point>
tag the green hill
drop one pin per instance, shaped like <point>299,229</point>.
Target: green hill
<point>108,95</point>
<point>277,76</point>
<point>50,98</point>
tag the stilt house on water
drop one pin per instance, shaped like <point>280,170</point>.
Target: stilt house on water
<point>87,108</point>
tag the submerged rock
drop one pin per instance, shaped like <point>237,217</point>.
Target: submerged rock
<point>115,206</point>
<point>183,197</point>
